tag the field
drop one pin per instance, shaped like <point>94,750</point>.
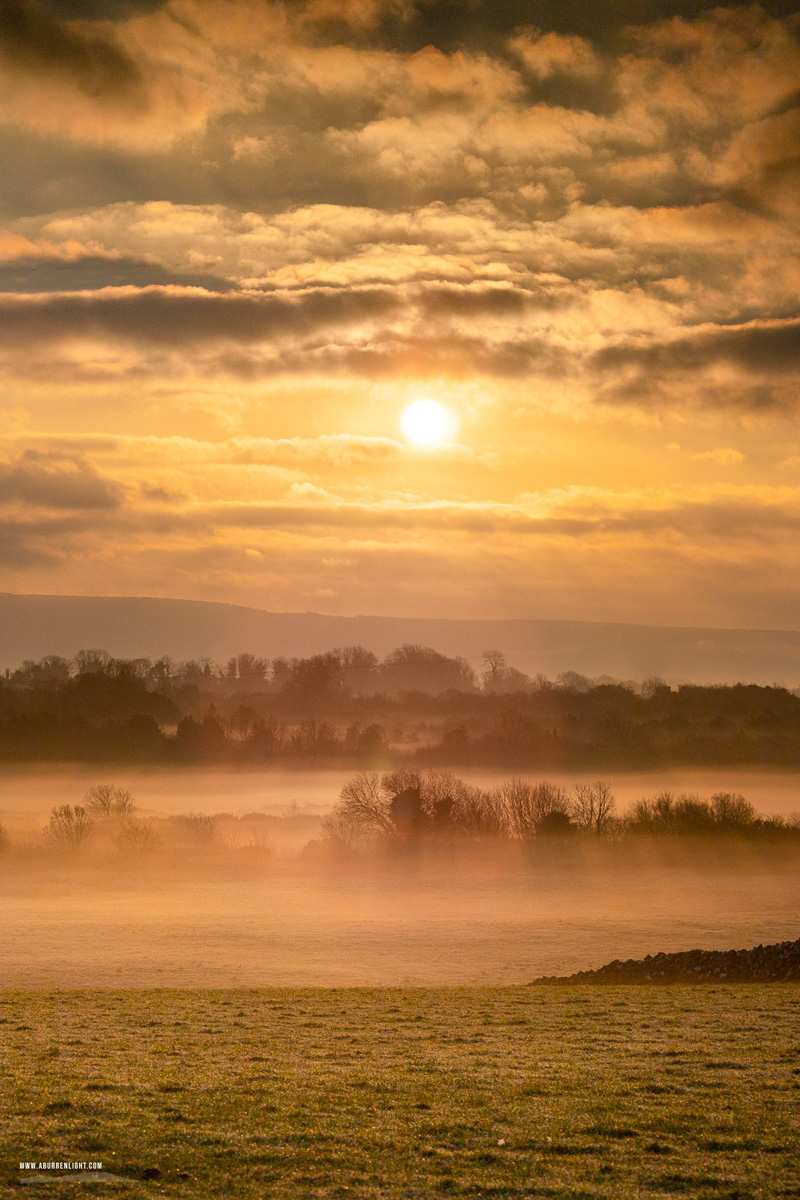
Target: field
<point>617,1092</point>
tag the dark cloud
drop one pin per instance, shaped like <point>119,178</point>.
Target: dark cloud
<point>16,552</point>
<point>409,356</point>
<point>486,24</point>
<point>33,39</point>
<point>447,24</point>
<point>455,356</point>
<point>166,318</point>
<point>40,480</point>
<point>100,10</point>
<point>721,519</point>
<point>467,302</point>
<point>765,359</point>
<point>305,135</point>
<point>41,273</point>
<point>768,349</point>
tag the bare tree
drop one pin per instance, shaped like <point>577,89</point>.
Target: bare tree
<point>342,832</point>
<point>732,810</point>
<point>364,801</point>
<point>363,812</point>
<point>89,662</point>
<point>478,814</point>
<point>105,800</point>
<point>667,815</point>
<point>394,782</point>
<point>526,804</point>
<point>494,666</point>
<point>593,806</point>
<point>498,676</point>
<point>69,828</point>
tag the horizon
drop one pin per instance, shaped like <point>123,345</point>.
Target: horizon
<point>33,627</point>
<point>418,617</point>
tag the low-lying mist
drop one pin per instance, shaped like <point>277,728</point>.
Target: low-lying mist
<point>252,899</point>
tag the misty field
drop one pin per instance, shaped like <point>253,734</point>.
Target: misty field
<point>497,1092</point>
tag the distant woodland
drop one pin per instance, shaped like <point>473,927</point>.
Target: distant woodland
<point>415,706</point>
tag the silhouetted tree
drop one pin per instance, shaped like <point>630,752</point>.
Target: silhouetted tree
<point>526,805</point>
<point>413,668</point>
<point>593,806</point>
<point>105,800</point>
<point>69,828</point>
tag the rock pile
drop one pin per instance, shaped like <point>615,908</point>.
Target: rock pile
<point>763,964</point>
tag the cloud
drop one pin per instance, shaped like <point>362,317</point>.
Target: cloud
<point>17,553</point>
<point>723,456</point>
<point>33,40</point>
<point>761,352</point>
<point>168,316</point>
<point>43,480</point>
<point>548,54</point>
<point>259,229</point>
<point>51,272</point>
<point>146,454</point>
<point>761,168</point>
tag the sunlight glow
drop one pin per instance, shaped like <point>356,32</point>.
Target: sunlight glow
<point>425,422</point>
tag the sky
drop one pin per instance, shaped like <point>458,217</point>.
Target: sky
<point>238,238</point>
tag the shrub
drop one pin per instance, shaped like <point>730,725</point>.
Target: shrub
<point>664,814</point>
<point>200,826</point>
<point>136,837</point>
<point>555,824</point>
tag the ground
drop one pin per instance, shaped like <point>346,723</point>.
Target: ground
<point>620,1092</point>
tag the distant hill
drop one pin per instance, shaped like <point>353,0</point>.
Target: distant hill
<point>137,626</point>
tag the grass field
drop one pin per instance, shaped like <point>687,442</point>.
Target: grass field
<point>618,1092</point>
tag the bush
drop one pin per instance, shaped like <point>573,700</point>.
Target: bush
<point>136,837</point>
<point>686,815</point>
<point>201,827</point>
<point>555,824</point>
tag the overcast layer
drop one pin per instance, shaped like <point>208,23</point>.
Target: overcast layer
<point>240,237</point>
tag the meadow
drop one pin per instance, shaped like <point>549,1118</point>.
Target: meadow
<point>572,1093</point>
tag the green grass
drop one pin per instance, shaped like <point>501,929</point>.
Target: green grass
<point>495,1092</point>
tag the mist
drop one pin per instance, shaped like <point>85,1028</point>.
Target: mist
<point>28,792</point>
<point>238,889</point>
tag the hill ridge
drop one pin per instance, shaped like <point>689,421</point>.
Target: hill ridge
<point>32,626</point>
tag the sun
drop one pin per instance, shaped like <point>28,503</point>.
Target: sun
<point>425,422</point>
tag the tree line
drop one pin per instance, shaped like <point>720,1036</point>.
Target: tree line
<point>406,811</point>
<point>407,808</point>
<point>414,706</point>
